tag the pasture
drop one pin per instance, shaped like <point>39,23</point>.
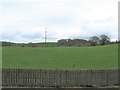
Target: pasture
<point>61,58</point>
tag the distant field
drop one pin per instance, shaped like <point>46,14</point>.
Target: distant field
<point>99,57</point>
<point>49,44</point>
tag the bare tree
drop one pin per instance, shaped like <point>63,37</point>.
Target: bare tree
<point>104,39</point>
<point>95,40</point>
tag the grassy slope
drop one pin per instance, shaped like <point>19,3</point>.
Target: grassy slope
<point>99,57</point>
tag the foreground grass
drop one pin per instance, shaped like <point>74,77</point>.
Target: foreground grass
<point>99,57</point>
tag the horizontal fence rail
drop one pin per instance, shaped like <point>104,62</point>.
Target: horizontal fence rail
<point>58,78</point>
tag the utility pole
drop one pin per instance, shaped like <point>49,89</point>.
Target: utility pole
<point>45,36</point>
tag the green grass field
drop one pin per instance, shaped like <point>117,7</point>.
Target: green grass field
<point>99,57</point>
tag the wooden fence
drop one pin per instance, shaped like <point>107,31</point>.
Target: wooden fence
<point>58,78</point>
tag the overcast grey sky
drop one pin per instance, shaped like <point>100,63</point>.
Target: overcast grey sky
<point>25,20</point>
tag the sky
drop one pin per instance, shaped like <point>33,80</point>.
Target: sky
<point>25,21</point>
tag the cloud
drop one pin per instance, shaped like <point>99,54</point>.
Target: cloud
<point>25,21</point>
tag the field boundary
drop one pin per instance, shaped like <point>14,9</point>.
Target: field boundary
<point>58,78</point>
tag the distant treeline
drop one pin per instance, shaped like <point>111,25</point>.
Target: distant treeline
<point>92,41</point>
